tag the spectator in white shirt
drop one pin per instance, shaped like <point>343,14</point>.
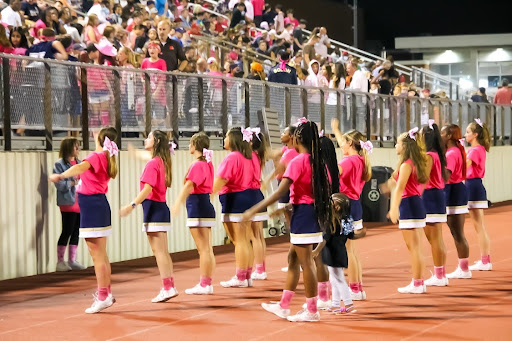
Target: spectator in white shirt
<point>323,44</point>
<point>10,14</point>
<point>97,9</point>
<point>359,82</point>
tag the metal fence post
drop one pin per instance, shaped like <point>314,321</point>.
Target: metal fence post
<point>287,106</point>
<point>85,109</point>
<point>224,108</point>
<point>200,102</point>
<point>304,96</point>
<point>322,110</point>
<point>147,93</point>
<point>247,105</point>
<point>47,105</point>
<point>174,117</point>
<point>7,104</point>
<point>267,95</point>
<point>117,106</point>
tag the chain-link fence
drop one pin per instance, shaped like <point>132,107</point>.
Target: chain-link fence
<point>51,96</point>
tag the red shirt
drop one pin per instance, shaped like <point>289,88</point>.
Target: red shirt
<point>299,171</point>
<point>477,155</point>
<point>156,79</point>
<point>436,177</point>
<point>454,164</point>
<point>413,187</point>
<point>288,155</point>
<point>256,181</point>
<point>201,174</point>
<point>294,21</point>
<point>503,96</point>
<point>238,171</point>
<point>95,179</point>
<point>351,183</point>
<point>258,6</point>
<point>154,175</point>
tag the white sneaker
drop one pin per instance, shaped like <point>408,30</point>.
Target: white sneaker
<point>259,276</point>
<point>479,266</point>
<point>62,266</point>
<point>165,295</point>
<point>285,269</point>
<point>304,316</point>
<point>411,289</point>
<point>458,273</point>
<point>199,290</point>
<point>275,308</point>
<point>74,265</point>
<point>98,305</point>
<point>235,283</point>
<point>358,296</point>
<point>320,305</point>
<point>436,282</point>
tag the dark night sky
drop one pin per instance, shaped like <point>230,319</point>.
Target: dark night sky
<point>385,20</point>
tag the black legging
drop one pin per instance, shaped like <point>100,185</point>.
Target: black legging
<point>70,228</point>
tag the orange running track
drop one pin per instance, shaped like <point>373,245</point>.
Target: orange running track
<point>51,306</point>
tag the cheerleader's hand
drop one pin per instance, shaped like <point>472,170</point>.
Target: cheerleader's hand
<point>393,216</point>
<point>335,124</point>
<point>55,178</point>
<point>126,210</point>
<point>247,215</point>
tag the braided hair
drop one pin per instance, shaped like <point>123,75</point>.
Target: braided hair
<point>329,152</point>
<point>307,135</point>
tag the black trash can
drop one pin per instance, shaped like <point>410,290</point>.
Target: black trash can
<point>375,204</point>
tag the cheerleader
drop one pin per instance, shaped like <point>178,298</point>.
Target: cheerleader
<point>200,211</point>
<point>95,172</point>
<point>406,205</point>
<point>456,196</point>
<point>233,182</point>
<point>304,172</point>
<point>478,136</point>
<point>154,181</point>
<point>355,169</point>
<point>334,253</point>
<point>259,154</point>
<point>434,201</point>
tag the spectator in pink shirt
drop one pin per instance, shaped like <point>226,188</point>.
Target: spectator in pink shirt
<point>258,11</point>
<point>290,19</point>
<point>504,95</point>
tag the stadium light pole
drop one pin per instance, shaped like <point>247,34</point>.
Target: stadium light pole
<point>354,8</point>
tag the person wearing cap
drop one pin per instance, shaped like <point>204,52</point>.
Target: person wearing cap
<point>282,72</point>
<point>178,35</point>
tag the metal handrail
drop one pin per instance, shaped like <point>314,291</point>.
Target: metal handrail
<point>207,10</point>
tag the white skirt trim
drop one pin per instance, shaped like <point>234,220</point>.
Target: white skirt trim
<point>201,222</point>
<point>436,218</point>
<point>306,238</point>
<point>358,225</point>
<point>457,209</point>
<point>95,232</point>
<point>411,224</point>
<point>478,204</point>
<point>262,216</point>
<point>156,227</point>
<point>231,217</point>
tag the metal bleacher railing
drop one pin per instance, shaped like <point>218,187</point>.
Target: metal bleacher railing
<point>48,96</point>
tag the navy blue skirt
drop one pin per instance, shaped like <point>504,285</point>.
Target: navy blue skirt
<point>95,216</point>
<point>477,195</point>
<point>285,199</point>
<point>262,215</point>
<point>304,227</point>
<point>235,203</point>
<point>435,205</point>
<point>356,211</point>
<point>412,213</point>
<point>200,211</point>
<point>456,196</point>
<point>157,217</point>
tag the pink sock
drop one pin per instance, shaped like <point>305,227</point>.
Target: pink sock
<point>260,268</point>
<point>241,274</point>
<point>311,303</point>
<point>354,287</point>
<point>286,299</point>
<point>418,282</point>
<point>109,290</point>
<point>486,259</point>
<point>439,271</point>
<point>168,283</point>
<point>444,271</point>
<point>323,291</point>
<point>205,281</point>
<point>329,286</point>
<point>72,252</point>
<point>102,293</point>
<point>249,272</point>
<point>360,284</point>
<point>61,250</point>
<point>463,264</point>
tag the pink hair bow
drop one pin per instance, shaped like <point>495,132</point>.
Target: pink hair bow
<point>301,121</point>
<point>256,131</point>
<point>368,146</point>
<point>412,133</point>
<point>321,133</point>
<point>172,147</point>
<point>431,124</point>
<point>282,64</point>
<point>208,154</point>
<point>462,141</point>
<point>479,122</point>
<point>110,146</point>
<point>247,134</point>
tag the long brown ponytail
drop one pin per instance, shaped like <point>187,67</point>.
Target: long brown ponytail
<point>111,133</point>
<point>161,149</point>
